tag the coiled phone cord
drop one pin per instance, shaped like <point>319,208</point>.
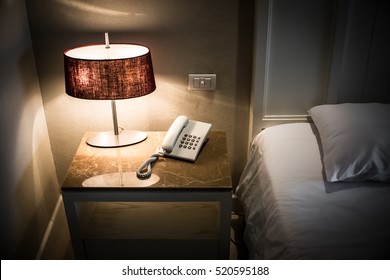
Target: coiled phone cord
<point>145,171</point>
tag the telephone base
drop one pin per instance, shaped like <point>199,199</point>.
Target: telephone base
<point>108,139</point>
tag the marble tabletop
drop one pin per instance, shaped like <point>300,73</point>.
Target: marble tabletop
<point>210,171</point>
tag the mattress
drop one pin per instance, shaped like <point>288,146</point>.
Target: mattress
<point>292,212</point>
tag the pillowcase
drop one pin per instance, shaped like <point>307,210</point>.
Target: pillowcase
<point>355,140</point>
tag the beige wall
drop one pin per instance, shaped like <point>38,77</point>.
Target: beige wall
<point>29,188</point>
<point>184,36</point>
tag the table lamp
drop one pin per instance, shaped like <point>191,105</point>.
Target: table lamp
<point>110,72</point>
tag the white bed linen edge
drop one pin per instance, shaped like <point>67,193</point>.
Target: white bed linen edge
<point>292,213</point>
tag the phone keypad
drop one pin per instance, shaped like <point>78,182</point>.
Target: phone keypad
<point>189,142</point>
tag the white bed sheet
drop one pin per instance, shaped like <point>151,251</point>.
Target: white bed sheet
<point>293,213</point>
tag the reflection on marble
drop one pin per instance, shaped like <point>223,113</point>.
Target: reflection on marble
<point>120,180</point>
<point>211,169</point>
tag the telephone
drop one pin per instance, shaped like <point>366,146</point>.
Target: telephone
<point>184,140</point>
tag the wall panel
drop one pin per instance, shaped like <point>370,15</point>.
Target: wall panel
<point>313,52</point>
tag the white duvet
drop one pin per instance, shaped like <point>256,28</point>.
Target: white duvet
<point>292,212</point>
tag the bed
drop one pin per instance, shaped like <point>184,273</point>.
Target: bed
<point>320,190</point>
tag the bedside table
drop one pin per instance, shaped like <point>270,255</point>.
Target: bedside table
<point>185,214</point>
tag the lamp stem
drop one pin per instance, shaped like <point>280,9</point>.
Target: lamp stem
<point>114,118</point>
<point>107,40</point>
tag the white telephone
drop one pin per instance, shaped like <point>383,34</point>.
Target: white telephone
<point>184,140</point>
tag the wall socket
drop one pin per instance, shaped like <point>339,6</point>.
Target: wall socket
<point>202,81</point>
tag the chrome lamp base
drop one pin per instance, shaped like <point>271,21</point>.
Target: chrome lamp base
<point>109,139</point>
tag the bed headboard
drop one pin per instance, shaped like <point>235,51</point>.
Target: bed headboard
<point>308,53</point>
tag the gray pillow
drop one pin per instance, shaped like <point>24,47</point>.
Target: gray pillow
<point>355,140</point>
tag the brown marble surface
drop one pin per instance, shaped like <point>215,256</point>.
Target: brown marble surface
<point>211,169</point>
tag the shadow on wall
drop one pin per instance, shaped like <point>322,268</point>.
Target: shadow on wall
<point>28,181</point>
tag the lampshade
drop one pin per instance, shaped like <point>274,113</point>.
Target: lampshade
<point>110,72</point>
<point>117,72</point>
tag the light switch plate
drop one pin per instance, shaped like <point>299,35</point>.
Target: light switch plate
<point>202,81</point>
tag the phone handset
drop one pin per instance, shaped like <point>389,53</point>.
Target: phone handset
<point>173,133</point>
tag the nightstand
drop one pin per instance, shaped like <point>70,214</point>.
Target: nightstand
<point>185,214</point>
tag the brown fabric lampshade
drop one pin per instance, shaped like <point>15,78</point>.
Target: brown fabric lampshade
<point>108,73</point>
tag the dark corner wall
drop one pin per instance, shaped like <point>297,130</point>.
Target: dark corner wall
<point>29,187</point>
